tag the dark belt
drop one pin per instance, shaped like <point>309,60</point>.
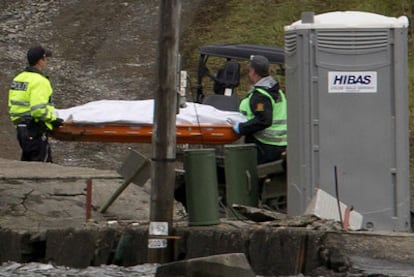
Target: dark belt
<point>25,120</point>
<point>29,122</point>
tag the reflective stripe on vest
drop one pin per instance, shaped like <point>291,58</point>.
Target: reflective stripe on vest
<point>20,103</point>
<point>275,134</point>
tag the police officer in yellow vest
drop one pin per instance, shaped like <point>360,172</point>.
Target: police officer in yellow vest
<point>31,109</point>
<point>265,108</point>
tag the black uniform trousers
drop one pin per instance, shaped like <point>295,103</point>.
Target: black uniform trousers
<point>266,152</point>
<point>33,140</point>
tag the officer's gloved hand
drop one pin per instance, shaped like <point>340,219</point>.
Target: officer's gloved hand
<point>236,128</point>
<point>57,122</point>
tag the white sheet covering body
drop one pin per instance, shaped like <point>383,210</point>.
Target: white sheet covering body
<point>142,112</point>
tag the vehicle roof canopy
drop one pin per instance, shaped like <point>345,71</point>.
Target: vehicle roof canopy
<point>274,54</point>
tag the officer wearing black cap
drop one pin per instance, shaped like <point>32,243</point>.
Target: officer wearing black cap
<point>266,112</point>
<point>31,109</point>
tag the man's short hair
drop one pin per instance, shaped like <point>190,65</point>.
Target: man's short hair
<point>260,64</point>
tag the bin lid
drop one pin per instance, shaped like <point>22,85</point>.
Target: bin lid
<point>349,19</point>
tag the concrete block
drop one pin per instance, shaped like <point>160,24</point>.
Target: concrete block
<point>205,242</point>
<point>104,246</point>
<point>132,247</point>
<point>394,247</point>
<point>224,265</point>
<point>275,252</point>
<point>324,205</point>
<point>69,247</point>
<point>11,244</point>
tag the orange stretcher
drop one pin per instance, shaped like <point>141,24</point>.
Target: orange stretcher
<point>142,133</point>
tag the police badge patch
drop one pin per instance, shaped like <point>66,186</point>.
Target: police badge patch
<point>259,107</point>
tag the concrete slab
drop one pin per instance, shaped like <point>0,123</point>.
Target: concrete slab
<point>40,196</point>
<point>12,169</point>
<point>38,205</point>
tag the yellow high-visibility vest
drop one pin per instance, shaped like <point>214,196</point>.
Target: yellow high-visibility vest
<point>275,134</point>
<point>30,95</point>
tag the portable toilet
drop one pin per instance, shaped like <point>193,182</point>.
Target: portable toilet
<point>348,118</point>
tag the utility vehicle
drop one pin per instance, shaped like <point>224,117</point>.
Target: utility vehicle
<point>220,90</point>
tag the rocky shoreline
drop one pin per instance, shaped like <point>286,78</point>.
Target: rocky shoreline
<point>40,270</point>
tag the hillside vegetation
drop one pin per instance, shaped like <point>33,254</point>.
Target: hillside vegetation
<point>263,21</point>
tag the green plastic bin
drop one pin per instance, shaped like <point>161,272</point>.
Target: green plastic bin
<point>201,186</point>
<point>240,166</point>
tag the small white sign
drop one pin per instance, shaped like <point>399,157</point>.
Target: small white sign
<point>352,82</point>
<point>158,228</point>
<point>157,243</point>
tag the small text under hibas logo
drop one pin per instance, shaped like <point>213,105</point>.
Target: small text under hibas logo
<point>352,82</point>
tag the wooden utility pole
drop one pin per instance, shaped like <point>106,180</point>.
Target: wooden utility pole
<point>164,134</point>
